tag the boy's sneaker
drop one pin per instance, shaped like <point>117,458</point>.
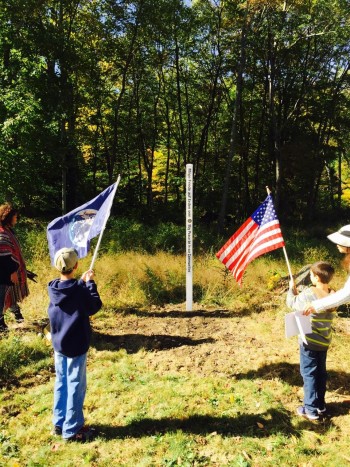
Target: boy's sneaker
<point>322,411</point>
<point>57,430</point>
<point>302,413</point>
<point>84,435</point>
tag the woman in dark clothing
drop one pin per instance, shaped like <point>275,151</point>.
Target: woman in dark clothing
<point>13,275</point>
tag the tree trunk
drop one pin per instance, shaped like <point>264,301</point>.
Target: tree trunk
<point>118,105</point>
<point>179,102</point>
<point>233,135</point>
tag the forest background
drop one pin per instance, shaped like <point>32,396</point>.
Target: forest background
<point>251,93</point>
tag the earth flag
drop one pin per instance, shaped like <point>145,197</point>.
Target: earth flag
<point>78,227</point>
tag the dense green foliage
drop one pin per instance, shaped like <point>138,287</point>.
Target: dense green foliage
<point>252,93</point>
<point>125,235</point>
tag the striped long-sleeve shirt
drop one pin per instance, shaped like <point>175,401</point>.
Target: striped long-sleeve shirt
<point>321,323</point>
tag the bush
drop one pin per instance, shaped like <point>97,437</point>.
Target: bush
<point>32,237</point>
<point>128,235</point>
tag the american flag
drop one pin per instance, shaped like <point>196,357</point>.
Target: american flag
<point>259,234</point>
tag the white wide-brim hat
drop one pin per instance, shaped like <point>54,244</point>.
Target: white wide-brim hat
<point>342,237</point>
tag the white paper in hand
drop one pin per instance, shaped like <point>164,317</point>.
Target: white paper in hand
<point>297,324</point>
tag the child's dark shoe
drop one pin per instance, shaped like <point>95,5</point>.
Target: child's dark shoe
<point>57,430</point>
<point>84,435</point>
<point>302,413</point>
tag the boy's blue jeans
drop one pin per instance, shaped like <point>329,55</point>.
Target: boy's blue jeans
<point>314,373</point>
<point>69,393</point>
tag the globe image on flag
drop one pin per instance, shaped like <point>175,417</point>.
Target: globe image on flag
<point>80,226</point>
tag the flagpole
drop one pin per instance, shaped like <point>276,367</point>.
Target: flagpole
<point>288,265</point>
<point>284,249</point>
<point>104,225</point>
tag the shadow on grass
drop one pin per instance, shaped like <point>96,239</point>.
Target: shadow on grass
<point>132,343</point>
<point>334,409</point>
<point>271,422</point>
<point>188,314</point>
<point>290,373</point>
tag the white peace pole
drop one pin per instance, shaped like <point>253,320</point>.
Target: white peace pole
<point>104,224</point>
<point>189,236</point>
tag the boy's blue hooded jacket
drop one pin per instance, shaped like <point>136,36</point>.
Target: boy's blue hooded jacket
<point>71,303</point>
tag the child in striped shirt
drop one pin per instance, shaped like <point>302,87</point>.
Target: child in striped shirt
<point>313,356</point>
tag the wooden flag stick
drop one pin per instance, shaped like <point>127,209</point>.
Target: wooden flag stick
<point>284,251</point>
<point>104,225</point>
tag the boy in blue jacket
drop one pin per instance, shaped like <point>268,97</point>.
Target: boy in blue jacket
<point>72,301</point>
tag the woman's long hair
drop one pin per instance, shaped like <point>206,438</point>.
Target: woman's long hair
<point>7,211</point>
<point>346,262</point>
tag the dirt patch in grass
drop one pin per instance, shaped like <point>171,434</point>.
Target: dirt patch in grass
<point>201,341</point>
<point>248,343</point>
<point>217,342</point>
<point>168,381</point>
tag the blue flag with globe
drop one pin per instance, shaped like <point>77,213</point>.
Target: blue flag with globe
<point>78,227</point>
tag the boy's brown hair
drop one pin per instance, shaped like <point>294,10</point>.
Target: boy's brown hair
<point>323,270</point>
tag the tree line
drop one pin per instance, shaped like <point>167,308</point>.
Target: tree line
<point>252,93</point>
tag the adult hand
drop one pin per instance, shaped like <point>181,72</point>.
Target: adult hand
<point>88,275</point>
<point>309,310</point>
<point>14,278</point>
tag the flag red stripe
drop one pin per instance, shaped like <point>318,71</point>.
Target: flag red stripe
<point>242,249</point>
<point>241,254</point>
<point>241,263</point>
<point>238,262</point>
<point>267,237</point>
<point>239,245</point>
<point>265,247</point>
<point>233,243</point>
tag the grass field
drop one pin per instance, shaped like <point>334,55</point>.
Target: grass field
<point>215,386</point>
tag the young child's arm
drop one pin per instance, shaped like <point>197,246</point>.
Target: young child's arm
<point>94,301</point>
<point>299,302</point>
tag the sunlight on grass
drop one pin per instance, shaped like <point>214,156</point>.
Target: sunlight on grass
<point>214,387</point>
